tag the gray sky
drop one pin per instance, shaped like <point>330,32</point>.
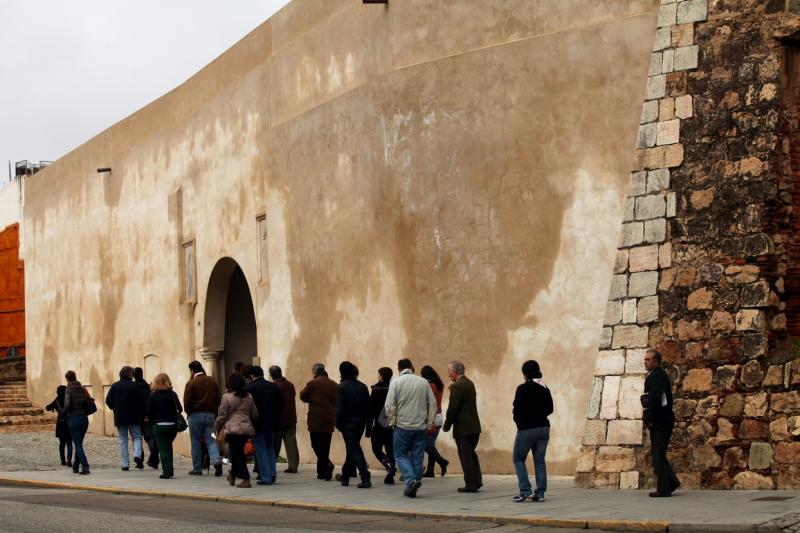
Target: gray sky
<point>70,69</point>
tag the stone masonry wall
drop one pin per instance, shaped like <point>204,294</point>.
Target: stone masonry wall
<point>705,245</point>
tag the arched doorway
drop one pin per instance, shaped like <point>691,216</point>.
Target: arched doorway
<point>230,320</point>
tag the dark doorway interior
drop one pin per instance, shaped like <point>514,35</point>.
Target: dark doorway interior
<point>240,324</point>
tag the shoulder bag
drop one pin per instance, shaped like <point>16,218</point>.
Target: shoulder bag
<point>180,421</point>
<point>90,404</point>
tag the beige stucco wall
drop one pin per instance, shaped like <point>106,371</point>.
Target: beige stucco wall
<point>440,179</point>
<point>10,203</point>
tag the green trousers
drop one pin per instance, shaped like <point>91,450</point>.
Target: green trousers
<point>164,436</point>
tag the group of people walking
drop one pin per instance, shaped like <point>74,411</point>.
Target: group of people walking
<point>402,416</point>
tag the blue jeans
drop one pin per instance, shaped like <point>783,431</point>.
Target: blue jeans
<point>533,439</point>
<point>78,425</point>
<point>265,456</point>
<point>122,435</point>
<point>412,441</point>
<point>201,425</point>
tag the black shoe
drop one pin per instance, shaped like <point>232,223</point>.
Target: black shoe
<point>84,472</point>
<point>139,463</point>
<point>365,484</point>
<point>165,476</point>
<point>218,469</point>
<point>125,468</point>
<point>154,466</point>
<point>290,471</point>
<point>63,463</point>
<point>195,473</point>
<point>411,491</point>
<point>389,479</point>
<point>345,481</point>
<point>261,482</point>
<point>337,477</point>
<point>329,473</point>
<point>443,465</point>
<point>429,470</point>
<point>657,494</point>
<point>465,489</point>
<point>69,463</point>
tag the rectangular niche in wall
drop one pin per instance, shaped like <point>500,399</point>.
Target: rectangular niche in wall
<point>189,285</point>
<point>263,257</point>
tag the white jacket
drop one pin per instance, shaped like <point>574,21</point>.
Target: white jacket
<point>410,403</point>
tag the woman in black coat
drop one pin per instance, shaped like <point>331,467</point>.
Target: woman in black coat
<point>163,408</point>
<point>62,429</point>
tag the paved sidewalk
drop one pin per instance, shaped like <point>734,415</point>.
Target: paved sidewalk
<point>566,506</point>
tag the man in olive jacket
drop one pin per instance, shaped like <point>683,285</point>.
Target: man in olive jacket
<point>660,420</point>
<point>462,415</point>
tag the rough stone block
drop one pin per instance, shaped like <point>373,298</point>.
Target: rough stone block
<point>754,344</point>
<point>750,320</point>
<point>643,284</point>
<point>752,429</point>
<point>667,62</point>
<point>683,106</point>
<point>647,310</point>
<point>668,132</point>
<point>688,330</point>
<point>756,294</point>
<point>629,480</point>
<point>586,460</point>
<point>634,361</point>
<point>663,39</point>
<point>725,376</point>
<point>683,35</point>
<point>605,480</point>
<point>613,313</point>
<point>691,11</point>
<point>698,380</point>
<point>774,376</point>
<point>794,425</point>
<point>655,63</point>
<point>733,459</point>
<point>637,183</point>
<point>615,459</point>
<point>742,274</point>
<point>752,481</point>
<point>705,457</point>
<point>621,262</point>
<point>647,135</point>
<point>671,207</point>
<point>619,287</point>
<point>657,180</point>
<point>610,362</point>
<point>651,206</point>
<point>624,432</point>
<point>724,430</point>
<point>629,405</point>
<point>752,375</point>
<point>594,399</point>
<point>785,402</point>
<point>665,255</point>
<point>594,433</point>
<point>610,396</point>
<point>756,405</point>
<point>656,87</point>
<point>629,337</point>
<point>673,155</point>
<point>779,428</point>
<point>700,299</point>
<point>605,338</point>
<point>643,258</point>
<point>632,234</point>
<point>629,311</point>
<point>667,15</point>
<point>708,407</point>
<point>655,231</point>
<point>760,456</point>
<point>686,57</point>
<point>732,405</point>
<point>628,213</point>
<point>721,322</point>
<point>666,108</point>
<point>649,112</point>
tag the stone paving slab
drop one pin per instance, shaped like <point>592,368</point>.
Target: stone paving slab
<point>565,506</point>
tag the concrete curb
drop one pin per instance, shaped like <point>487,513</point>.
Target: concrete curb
<point>589,524</point>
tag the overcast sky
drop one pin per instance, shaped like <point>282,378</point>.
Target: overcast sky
<point>70,69</point>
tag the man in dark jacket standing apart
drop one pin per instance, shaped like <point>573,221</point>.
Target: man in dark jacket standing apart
<point>268,400</point>
<point>320,395</point>
<point>660,420</point>
<point>533,403</point>
<point>352,404</point>
<point>288,431</point>
<point>200,401</point>
<point>127,401</point>
<point>462,416</point>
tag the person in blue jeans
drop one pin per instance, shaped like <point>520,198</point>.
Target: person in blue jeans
<point>128,401</point>
<point>411,408</point>
<point>77,421</point>
<point>201,399</point>
<point>269,402</point>
<point>533,403</point>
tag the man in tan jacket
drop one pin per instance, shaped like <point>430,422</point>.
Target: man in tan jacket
<point>320,395</point>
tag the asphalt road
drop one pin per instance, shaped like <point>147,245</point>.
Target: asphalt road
<point>42,510</point>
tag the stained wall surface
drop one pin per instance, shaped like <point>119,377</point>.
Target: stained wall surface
<point>440,180</point>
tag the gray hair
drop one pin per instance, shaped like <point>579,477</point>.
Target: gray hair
<point>318,369</point>
<point>458,367</point>
<point>655,353</point>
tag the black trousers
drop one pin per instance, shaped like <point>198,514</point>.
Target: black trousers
<point>473,480</point>
<point>236,451</point>
<point>659,441</point>
<point>382,447</point>
<point>321,444</point>
<point>150,439</point>
<point>355,455</point>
